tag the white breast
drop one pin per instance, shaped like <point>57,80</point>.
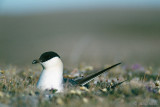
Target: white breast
<point>52,75</point>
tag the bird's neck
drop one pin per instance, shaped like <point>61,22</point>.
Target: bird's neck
<point>53,66</point>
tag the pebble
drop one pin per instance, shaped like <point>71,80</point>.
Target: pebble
<point>85,100</point>
<point>1,94</point>
<point>59,101</point>
<point>157,83</point>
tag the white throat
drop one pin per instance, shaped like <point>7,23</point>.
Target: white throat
<point>52,75</point>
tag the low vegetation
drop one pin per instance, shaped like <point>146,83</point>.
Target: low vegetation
<point>133,85</point>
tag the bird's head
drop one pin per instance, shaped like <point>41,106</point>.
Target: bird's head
<point>49,59</point>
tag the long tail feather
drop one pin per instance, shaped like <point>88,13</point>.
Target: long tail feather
<point>89,78</point>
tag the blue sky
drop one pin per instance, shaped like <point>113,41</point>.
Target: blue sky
<point>31,6</point>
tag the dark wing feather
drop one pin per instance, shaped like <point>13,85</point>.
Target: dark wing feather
<point>89,78</point>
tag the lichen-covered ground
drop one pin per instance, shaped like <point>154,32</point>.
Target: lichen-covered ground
<point>141,88</point>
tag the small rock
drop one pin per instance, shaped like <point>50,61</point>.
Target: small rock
<point>1,94</point>
<point>159,91</point>
<point>157,83</point>
<point>59,101</point>
<point>85,100</point>
<point>73,92</point>
<point>84,88</point>
<point>78,92</point>
<point>1,71</point>
<point>104,90</point>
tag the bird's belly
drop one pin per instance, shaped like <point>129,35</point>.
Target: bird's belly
<point>47,81</point>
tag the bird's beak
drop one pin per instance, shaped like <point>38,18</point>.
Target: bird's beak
<point>35,61</point>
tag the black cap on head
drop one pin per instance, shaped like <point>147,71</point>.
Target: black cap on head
<point>45,57</point>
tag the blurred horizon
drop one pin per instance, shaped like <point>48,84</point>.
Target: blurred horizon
<point>30,7</point>
<point>94,34</point>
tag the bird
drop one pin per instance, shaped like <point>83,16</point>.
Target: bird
<point>51,76</point>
